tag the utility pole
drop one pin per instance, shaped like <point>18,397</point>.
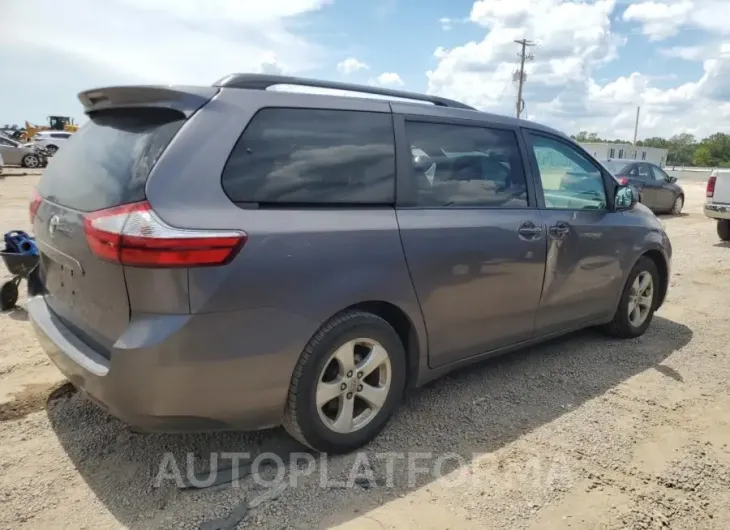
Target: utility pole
<point>523,55</point>
<point>636,125</point>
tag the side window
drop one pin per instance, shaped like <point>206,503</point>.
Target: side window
<point>659,173</point>
<point>313,156</point>
<point>459,165</point>
<point>569,180</point>
<point>645,172</point>
<point>6,143</point>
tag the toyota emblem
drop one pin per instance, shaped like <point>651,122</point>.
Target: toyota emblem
<point>53,224</point>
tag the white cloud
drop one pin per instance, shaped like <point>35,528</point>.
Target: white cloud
<point>155,41</point>
<point>446,23</point>
<point>574,39</point>
<point>351,65</point>
<point>688,53</point>
<point>390,79</point>
<point>660,19</point>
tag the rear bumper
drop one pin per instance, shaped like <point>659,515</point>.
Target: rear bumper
<point>717,211</point>
<point>172,373</point>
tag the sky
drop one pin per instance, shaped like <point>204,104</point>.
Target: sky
<point>593,63</point>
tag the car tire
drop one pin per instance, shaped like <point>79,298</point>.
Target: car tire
<point>8,295</point>
<point>324,425</point>
<point>678,205</point>
<point>626,324</point>
<point>723,229</point>
<point>52,149</point>
<point>31,161</point>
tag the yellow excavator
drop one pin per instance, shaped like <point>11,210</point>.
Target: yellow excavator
<point>55,123</point>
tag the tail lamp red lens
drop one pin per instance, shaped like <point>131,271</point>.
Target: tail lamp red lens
<point>133,235</point>
<point>35,202</point>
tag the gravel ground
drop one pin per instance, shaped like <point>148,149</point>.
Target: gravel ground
<point>583,432</point>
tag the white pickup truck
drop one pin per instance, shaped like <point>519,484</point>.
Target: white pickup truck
<point>717,201</point>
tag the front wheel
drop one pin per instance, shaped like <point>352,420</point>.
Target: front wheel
<point>678,205</point>
<point>638,301</point>
<point>31,161</point>
<point>723,229</point>
<point>348,382</point>
<point>51,149</point>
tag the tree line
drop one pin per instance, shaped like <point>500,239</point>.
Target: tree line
<point>683,149</point>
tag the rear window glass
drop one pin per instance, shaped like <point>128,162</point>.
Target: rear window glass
<point>312,156</point>
<point>107,162</point>
<point>616,167</point>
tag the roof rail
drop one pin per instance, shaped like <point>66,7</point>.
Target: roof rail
<point>264,81</point>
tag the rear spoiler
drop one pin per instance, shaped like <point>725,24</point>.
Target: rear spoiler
<point>184,99</point>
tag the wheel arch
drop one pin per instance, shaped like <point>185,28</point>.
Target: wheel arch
<point>662,268</point>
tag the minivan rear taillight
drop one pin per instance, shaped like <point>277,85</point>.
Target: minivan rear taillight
<point>35,202</point>
<point>710,190</point>
<point>133,235</point>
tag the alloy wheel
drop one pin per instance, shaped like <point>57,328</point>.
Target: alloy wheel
<point>354,385</point>
<point>641,298</point>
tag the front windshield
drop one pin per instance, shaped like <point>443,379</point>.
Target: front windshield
<point>9,141</point>
<point>615,166</point>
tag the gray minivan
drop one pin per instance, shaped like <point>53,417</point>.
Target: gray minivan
<point>236,257</point>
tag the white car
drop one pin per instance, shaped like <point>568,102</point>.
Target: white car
<point>2,164</point>
<point>717,201</point>
<point>50,140</point>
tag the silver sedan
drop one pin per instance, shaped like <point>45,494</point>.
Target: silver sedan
<point>16,154</point>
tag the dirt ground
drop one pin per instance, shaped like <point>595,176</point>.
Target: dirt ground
<point>583,432</point>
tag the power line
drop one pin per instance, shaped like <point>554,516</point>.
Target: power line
<point>503,90</point>
<point>524,56</point>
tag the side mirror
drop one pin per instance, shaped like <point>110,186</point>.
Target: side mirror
<point>626,198</point>
<point>672,179</point>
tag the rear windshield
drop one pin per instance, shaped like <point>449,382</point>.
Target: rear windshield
<point>615,167</point>
<point>107,162</point>
<point>313,157</point>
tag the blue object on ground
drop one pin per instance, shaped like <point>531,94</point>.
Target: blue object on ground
<point>19,242</point>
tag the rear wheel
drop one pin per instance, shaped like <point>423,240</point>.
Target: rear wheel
<point>51,149</point>
<point>348,382</point>
<point>723,229</point>
<point>638,301</point>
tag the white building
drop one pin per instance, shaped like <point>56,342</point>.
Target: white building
<point>605,151</point>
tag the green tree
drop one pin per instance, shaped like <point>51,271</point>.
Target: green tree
<point>681,149</point>
<point>703,157</point>
<point>713,151</point>
<point>654,141</point>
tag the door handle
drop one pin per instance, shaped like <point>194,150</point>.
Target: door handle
<point>559,230</point>
<point>529,230</point>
